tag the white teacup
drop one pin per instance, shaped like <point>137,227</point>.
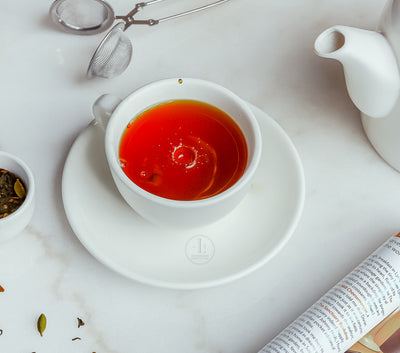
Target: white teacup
<point>114,115</point>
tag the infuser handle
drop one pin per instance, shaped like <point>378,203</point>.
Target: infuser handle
<point>129,20</point>
<point>190,11</point>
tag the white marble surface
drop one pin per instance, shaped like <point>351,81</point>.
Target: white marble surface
<point>263,51</point>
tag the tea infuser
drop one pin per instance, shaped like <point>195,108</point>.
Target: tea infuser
<point>114,53</point>
<point>82,17</point>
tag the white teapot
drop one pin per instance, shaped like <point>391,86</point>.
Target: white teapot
<point>370,61</point>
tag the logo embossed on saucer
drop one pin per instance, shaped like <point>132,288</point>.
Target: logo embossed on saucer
<point>200,249</point>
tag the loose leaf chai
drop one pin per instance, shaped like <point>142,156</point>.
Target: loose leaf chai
<point>12,193</point>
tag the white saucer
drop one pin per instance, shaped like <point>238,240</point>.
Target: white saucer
<point>227,250</point>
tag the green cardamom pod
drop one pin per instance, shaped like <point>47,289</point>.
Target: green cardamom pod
<point>41,324</point>
<point>19,189</point>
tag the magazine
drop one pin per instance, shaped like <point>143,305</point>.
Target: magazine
<point>360,314</point>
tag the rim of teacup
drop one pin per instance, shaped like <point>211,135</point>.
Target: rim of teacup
<point>28,181</point>
<point>244,180</point>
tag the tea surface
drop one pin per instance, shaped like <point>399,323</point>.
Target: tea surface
<point>183,150</point>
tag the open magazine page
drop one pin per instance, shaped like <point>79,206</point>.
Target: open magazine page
<point>359,314</point>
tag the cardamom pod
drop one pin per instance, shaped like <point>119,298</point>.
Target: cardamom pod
<point>41,324</point>
<point>19,189</point>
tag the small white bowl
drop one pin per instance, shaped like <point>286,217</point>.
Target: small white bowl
<point>15,222</point>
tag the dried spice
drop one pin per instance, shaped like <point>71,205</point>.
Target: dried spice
<point>80,322</point>
<point>76,338</point>
<point>1,331</point>
<point>12,193</point>
<point>19,189</point>
<point>1,289</point>
<point>41,324</point>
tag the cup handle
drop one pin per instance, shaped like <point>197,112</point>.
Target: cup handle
<point>103,108</point>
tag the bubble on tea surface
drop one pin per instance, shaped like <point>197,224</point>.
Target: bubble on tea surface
<point>122,163</point>
<point>184,155</point>
<point>153,177</point>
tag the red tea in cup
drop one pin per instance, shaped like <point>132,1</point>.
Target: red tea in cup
<point>183,150</point>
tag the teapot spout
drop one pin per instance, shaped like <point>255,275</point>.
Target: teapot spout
<point>370,67</point>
